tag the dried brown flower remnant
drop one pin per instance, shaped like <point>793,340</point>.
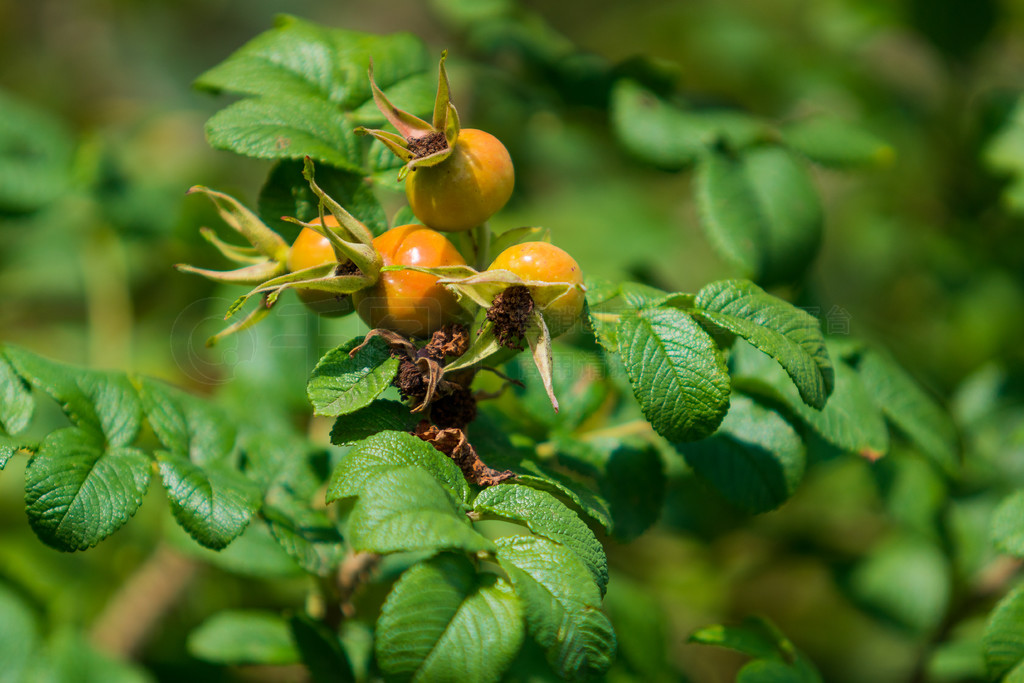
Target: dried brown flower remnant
<point>510,313</point>
<point>452,442</point>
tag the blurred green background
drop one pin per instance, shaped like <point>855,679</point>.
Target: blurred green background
<point>924,255</point>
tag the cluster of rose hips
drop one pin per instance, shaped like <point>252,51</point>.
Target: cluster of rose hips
<point>412,281</point>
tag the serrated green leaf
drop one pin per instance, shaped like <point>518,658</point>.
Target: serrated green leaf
<point>213,503</point>
<point>321,650</point>
<point>381,415</point>
<point>907,580</point>
<point>287,193</point>
<point>1004,635</point>
<point>343,384</point>
<point>36,151</point>
<point>910,408</point>
<point>286,129</point>
<point>832,141</point>
<point>593,505</point>
<point>790,335</point>
<point>561,604</point>
<point>756,459</point>
<point>792,211</point>
<point>256,553</point>
<point>386,451</point>
<point>406,509</point>
<point>102,403</point>
<point>668,136</point>
<point>546,516</point>
<point>445,622</point>
<point>307,534</point>
<point>16,404</point>
<point>1008,525</point>
<point>849,421</point>
<point>310,88</point>
<point>185,424</point>
<point>300,58</point>
<point>239,637</point>
<point>77,492</point>
<point>19,636</point>
<point>729,212</point>
<point>677,373</point>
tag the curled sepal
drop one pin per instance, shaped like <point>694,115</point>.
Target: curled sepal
<point>257,314</point>
<point>232,252</point>
<point>483,347</point>
<point>418,143</point>
<point>539,339</point>
<point>355,228</point>
<point>249,275</point>
<point>322,278</point>
<point>365,257</point>
<point>246,223</point>
<point>483,287</point>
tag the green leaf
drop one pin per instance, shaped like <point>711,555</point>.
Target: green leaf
<point>633,483</point>
<point>36,152</point>
<point>443,621</point>
<point>77,492</point>
<point>19,636</point>
<point>256,553</point>
<point>213,503</point>
<point>186,425</point>
<point>641,627</point>
<point>668,136</point>
<point>561,604</point>
<point>286,129</point>
<point>594,506</point>
<point>1004,154</point>
<point>769,671</point>
<point>310,88</point>
<point>906,579</point>
<point>16,404</point>
<point>321,650</point>
<point>791,209</point>
<point>300,58</point>
<point>381,415</point>
<point>1008,525</point>
<point>546,516</point>
<point>910,408</point>
<point>849,421</point>
<point>307,534</point>
<point>729,212</point>
<point>342,384</point>
<point>832,141</point>
<point>387,451</point>
<point>240,637</point>
<point>776,327</point>
<point>1004,635</point>
<point>406,509</point>
<point>677,373</point>
<point>755,460</point>
<point>776,658</point>
<point>104,404</point>
<point>69,657</point>
<point>287,193</point>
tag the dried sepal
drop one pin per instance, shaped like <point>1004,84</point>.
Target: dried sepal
<point>322,278</point>
<point>540,346</point>
<point>418,143</point>
<point>256,315</point>
<point>357,231</point>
